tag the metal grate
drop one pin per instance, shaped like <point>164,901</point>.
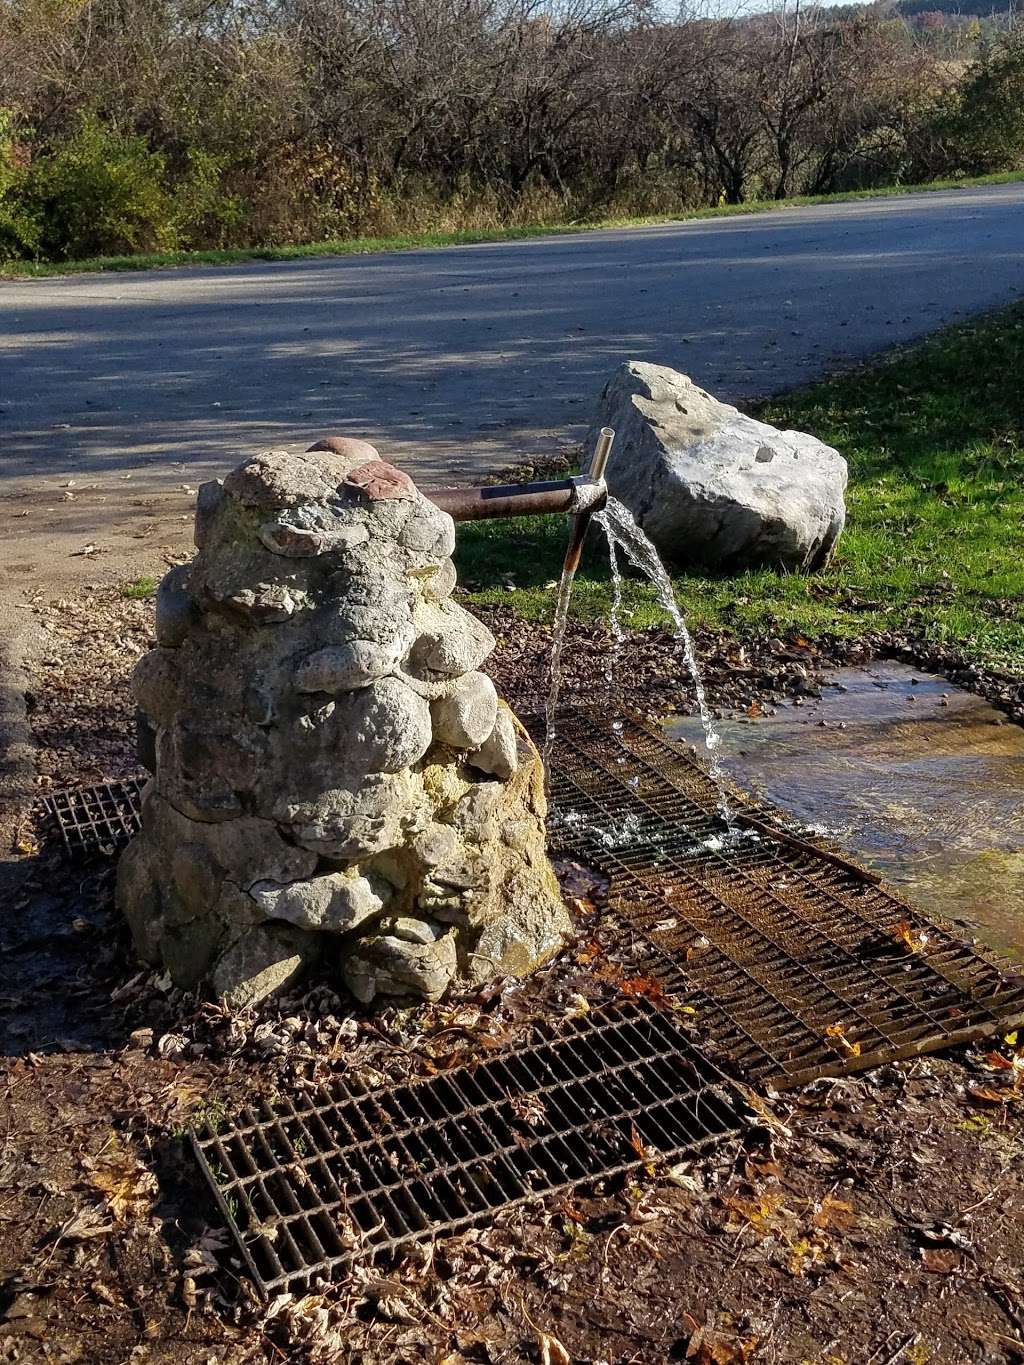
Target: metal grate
<point>99,819</point>
<point>306,1186</point>
<point>799,963</point>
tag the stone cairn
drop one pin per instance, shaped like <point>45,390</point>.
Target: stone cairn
<point>335,781</point>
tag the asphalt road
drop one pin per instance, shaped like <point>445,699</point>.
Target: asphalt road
<point>456,360</point>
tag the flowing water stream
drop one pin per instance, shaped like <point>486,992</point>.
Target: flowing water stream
<point>623,533</point>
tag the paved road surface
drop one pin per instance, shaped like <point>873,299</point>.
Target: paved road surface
<point>457,360</point>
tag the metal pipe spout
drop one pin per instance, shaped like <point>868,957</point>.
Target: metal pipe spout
<point>581,495</point>
<point>573,495</point>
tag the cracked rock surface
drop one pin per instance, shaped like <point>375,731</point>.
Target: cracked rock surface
<point>336,781</point>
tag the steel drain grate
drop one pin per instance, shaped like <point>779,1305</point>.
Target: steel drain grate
<point>99,819</point>
<point>798,962</point>
<point>306,1186</point>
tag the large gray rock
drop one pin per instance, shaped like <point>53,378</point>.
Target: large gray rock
<point>334,779</point>
<point>712,487</point>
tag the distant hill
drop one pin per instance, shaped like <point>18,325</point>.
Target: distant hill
<point>979,9</point>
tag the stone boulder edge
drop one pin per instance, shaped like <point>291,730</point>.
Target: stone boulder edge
<point>711,487</point>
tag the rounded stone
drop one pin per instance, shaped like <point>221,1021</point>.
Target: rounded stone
<point>336,901</point>
<point>343,668</point>
<point>465,718</point>
<point>389,965</point>
<point>156,685</point>
<point>439,583</point>
<point>262,962</point>
<point>293,542</point>
<point>389,727</point>
<point>499,753</point>
<point>451,641</point>
<point>176,609</point>
<point>429,531</point>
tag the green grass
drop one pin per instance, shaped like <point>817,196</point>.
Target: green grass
<point>934,543</point>
<point>355,246</point>
<point>138,590</point>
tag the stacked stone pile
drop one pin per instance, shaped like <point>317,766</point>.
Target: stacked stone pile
<point>336,781</point>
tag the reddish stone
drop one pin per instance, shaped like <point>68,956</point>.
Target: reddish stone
<point>382,482</point>
<point>350,447</point>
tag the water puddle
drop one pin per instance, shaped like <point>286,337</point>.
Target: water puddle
<point>921,781</point>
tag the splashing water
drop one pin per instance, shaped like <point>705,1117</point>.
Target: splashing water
<point>555,673</point>
<point>623,532</point>
<point>615,619</point>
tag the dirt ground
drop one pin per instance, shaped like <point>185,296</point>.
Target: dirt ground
<point>872,1219</point>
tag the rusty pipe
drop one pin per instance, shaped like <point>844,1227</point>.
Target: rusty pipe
<point>581,522</point>
<point>575,495</point>
<point>581,495</point>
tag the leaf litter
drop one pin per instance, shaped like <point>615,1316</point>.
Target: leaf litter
<point>803,1225</point>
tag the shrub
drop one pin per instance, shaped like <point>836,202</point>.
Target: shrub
<point>19,229</point>
<point>986,126</point>
<point>99,192</point>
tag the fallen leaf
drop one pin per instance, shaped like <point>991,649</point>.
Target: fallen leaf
<point>129,1187</point>
<point>998,1062</point>
<point>552,1352</point>
<point>987,1094</point>
<point>834,1213</point>
<point>914,942</point>
<point>644,986</point>
<point>528,1109</point>
<point>758,1213</point>
<point>838,1034</point>
<point>86,1223</point>
<point>940,1260</point>
<point>715,1348</point>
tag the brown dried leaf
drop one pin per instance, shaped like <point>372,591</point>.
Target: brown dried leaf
<point>940,1260</point>
<point>644,986</point>
<point>528,1109</point>
<point>999,1062</point>
<point>988,1094</point>
<point>834,1213</point>
<point>86,1223</point>
<point>552,1352</point>
<point>129,1187</point>
<point>589,952</point>
<point>715,1348</point>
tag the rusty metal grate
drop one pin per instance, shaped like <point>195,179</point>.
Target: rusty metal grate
<point>307,1185</point>
<point>794,958</point>
<point>791,954</point>
<point>98,819</point>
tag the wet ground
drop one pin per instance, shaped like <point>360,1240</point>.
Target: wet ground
<point>873,1218</point>
<point>914,777</point>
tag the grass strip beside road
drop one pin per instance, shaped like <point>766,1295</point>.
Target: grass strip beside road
<point>360,246</point>
<point>934,543</point>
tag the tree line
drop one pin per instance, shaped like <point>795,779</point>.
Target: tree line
<point>133,125</point>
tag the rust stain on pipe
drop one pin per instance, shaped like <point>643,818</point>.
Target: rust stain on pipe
<point>518,499</point>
